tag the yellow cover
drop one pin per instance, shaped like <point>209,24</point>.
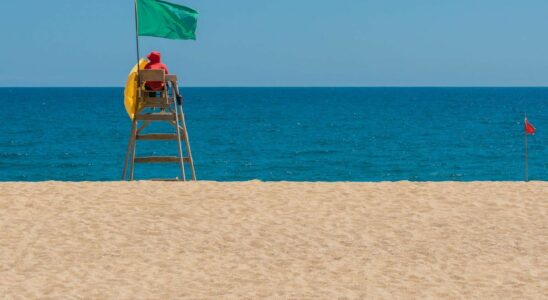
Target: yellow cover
<point>130,92</point>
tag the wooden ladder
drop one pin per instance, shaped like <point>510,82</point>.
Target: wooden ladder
<point>163,107</point>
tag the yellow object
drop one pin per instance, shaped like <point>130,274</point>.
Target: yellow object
<point>130,92</point>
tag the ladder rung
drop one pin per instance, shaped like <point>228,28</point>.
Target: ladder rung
<point>154,99</point>
<point>158,137</point>
<point>156,117</point>
<point>160,159</point>
<point>155,102</point>
<point>156,105</point>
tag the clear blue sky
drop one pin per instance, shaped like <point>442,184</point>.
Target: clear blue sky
<point>284,43</point>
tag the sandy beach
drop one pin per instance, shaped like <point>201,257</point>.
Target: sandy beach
<point>209,240</point>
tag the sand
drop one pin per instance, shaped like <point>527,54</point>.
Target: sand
<point>208,240</point>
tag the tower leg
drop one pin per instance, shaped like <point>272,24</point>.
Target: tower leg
<point>130,145</point>
<point>133,144</point>
<point>187,142</point>
<point>179,148</point>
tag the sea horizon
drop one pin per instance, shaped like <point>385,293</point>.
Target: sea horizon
<point>292,134</point>
<point>307,87</point>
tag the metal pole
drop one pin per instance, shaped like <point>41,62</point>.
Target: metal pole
<point>526,158</point>
<point>137,36</point>
<point>137,46</point>
<point>526,150</point>
<point>131,145</point>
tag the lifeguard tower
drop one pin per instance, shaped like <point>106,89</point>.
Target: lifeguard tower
<point>157,106</point>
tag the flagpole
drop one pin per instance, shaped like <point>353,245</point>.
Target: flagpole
<point>137,36</point>
<point>526,152</point>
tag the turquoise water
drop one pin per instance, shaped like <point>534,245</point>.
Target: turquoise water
<point>328,134</point>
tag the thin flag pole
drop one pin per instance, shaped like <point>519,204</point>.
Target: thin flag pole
<point>526,150</point>
<point>137,36</point>
<point>131,143</point>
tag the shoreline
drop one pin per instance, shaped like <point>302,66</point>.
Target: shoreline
<point>271,181</point>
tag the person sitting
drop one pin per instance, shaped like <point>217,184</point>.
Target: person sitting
<point>155,64</point>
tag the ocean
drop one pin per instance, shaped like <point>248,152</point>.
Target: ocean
<point>293,134</point>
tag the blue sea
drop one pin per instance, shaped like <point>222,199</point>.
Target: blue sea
<point>294,134</point>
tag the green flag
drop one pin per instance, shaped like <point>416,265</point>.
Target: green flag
<point>167,20</point>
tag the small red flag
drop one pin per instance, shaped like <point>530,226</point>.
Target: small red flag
<point>529,128</point>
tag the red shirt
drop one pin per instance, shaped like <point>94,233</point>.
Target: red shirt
<point>155,64</point>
